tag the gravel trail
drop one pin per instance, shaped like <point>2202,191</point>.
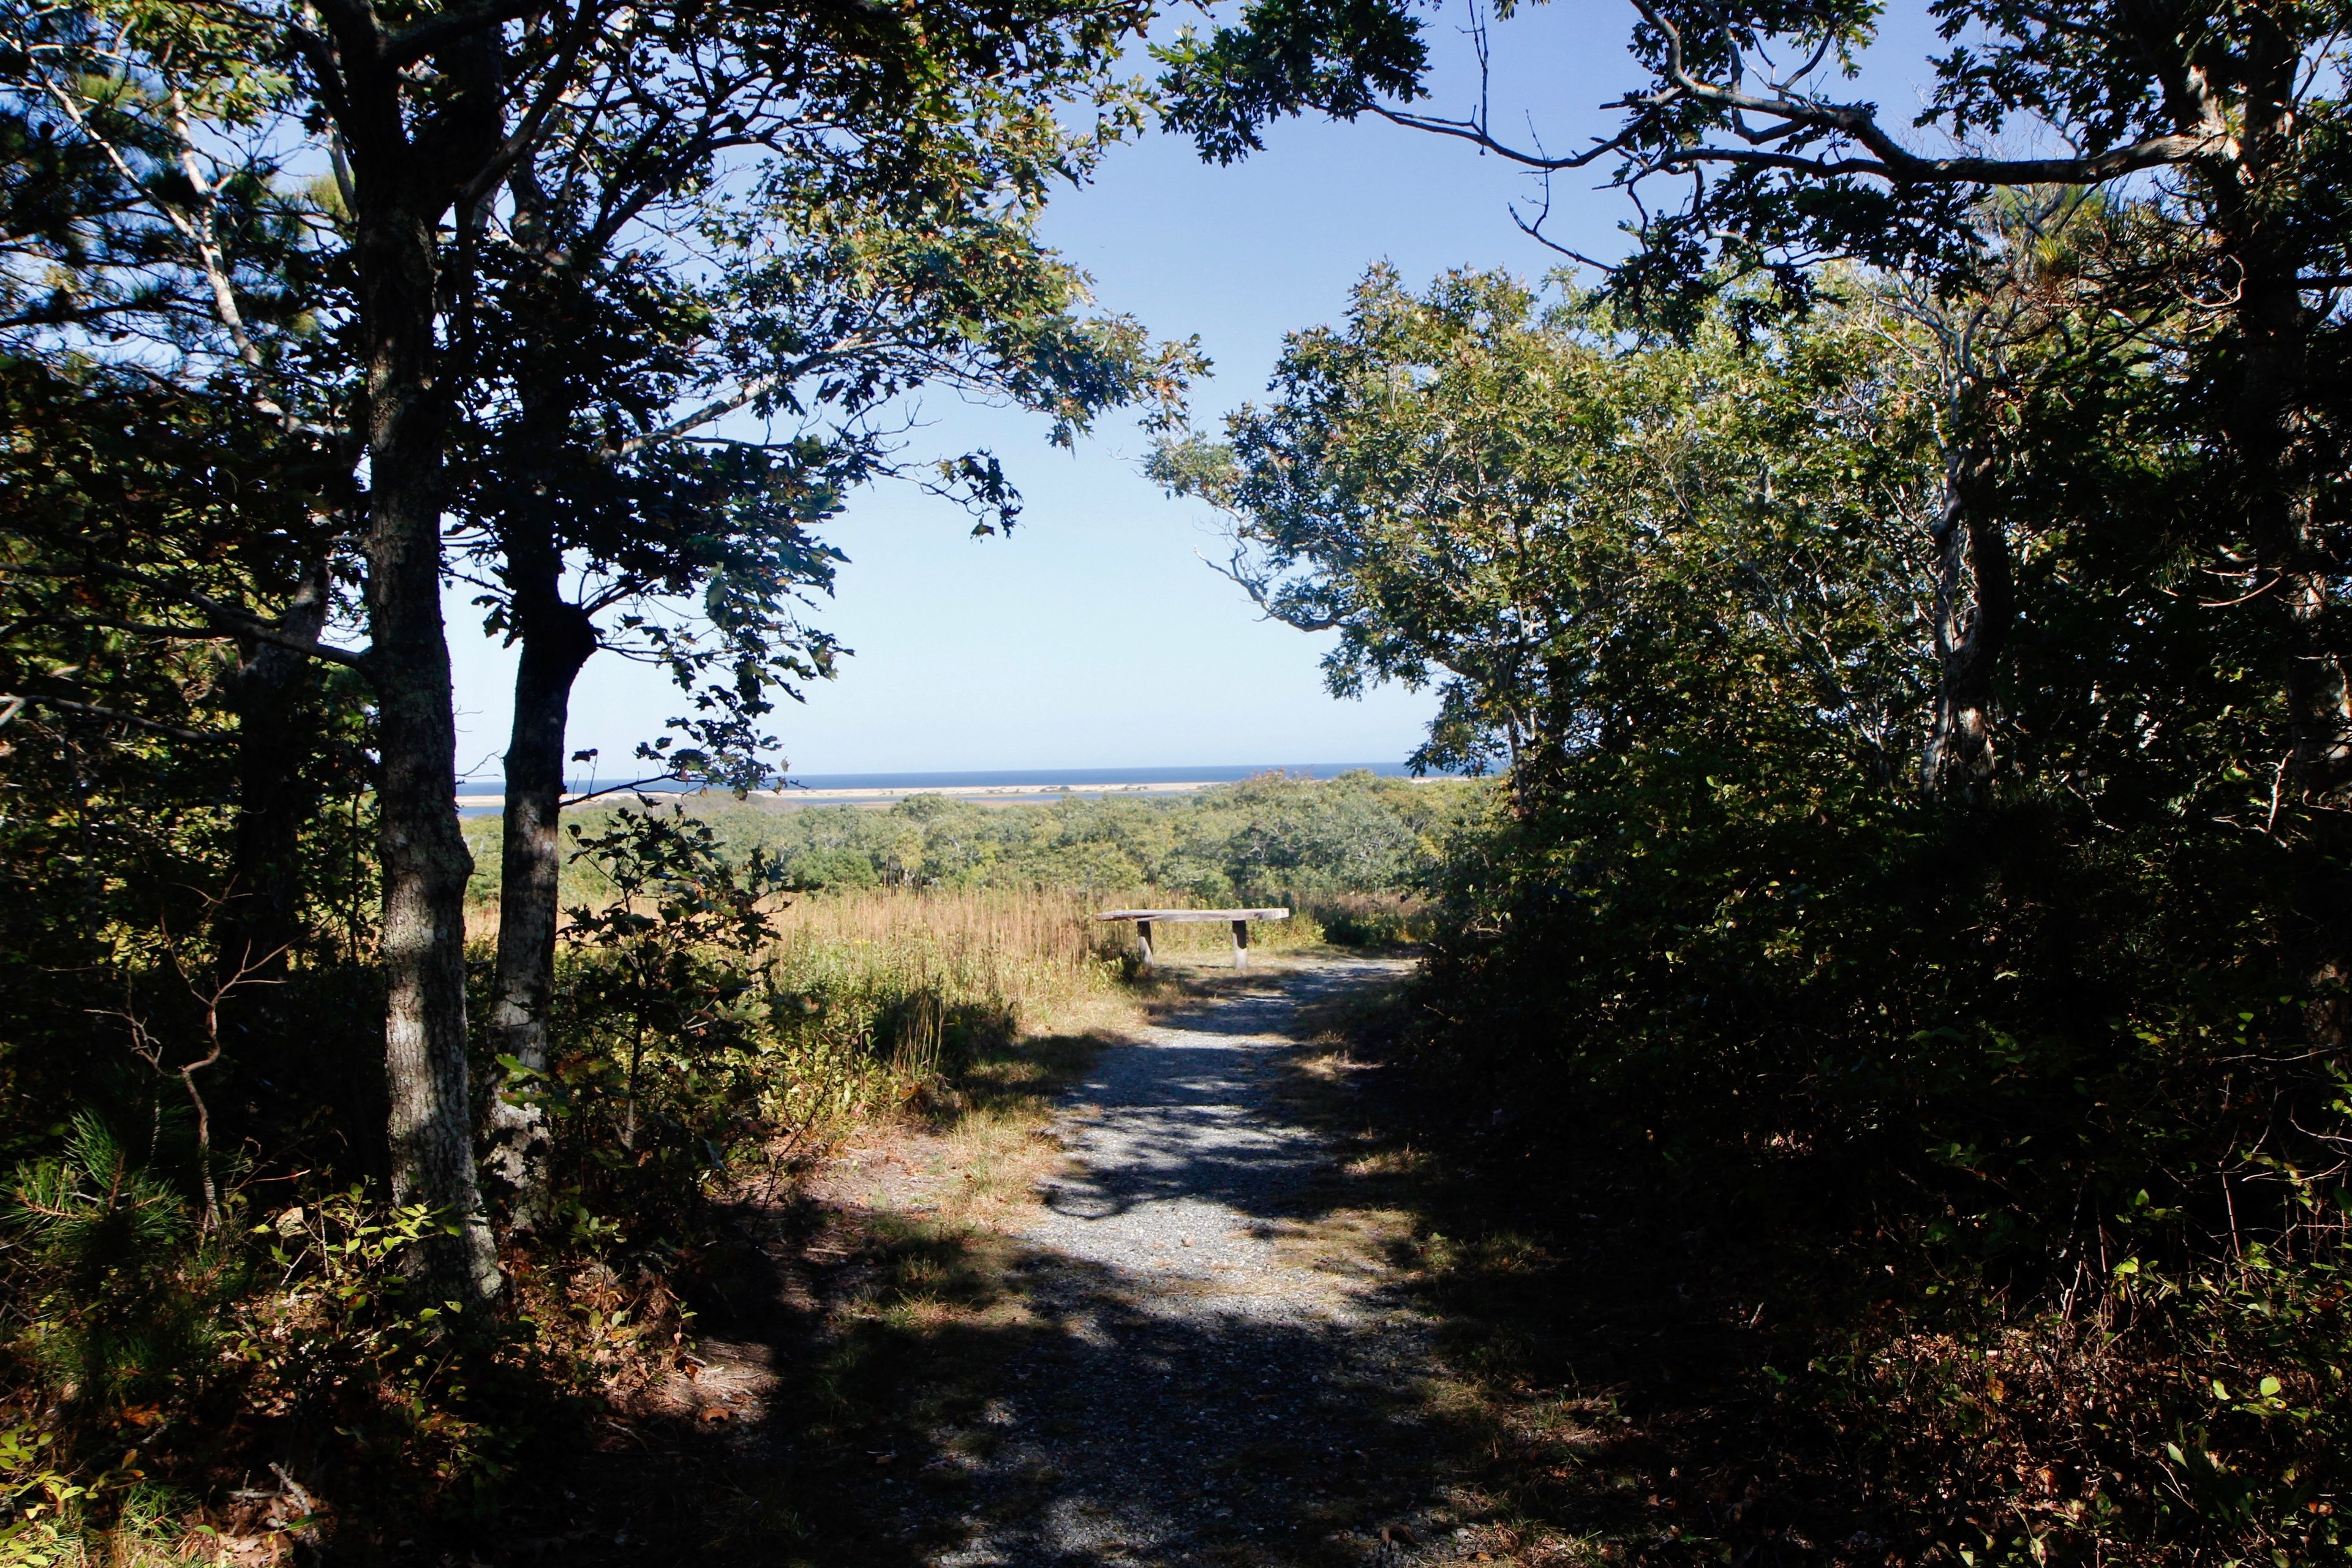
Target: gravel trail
<point>1224,1385</point>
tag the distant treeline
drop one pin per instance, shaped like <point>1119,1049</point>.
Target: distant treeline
<point>1359,833</point>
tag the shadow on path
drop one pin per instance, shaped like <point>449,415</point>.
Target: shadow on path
<point>1152,1365</point>
<point>1264,1311</point>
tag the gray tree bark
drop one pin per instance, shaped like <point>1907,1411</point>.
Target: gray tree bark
<point>409,167</point>
<point>558,639</point>
<point>425,864</point>
<point>1975,605</point>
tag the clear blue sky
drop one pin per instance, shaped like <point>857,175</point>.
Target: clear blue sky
<point>1093,635</point>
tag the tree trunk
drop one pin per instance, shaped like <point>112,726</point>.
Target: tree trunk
<point>557,640</point>
<point>417,138</point>
<point>425,865</point>
<point>2266,421</point>
<point>258,921</point>
<point>1975,604</point>
<point>2266,417</point>
<point>2267,427</point>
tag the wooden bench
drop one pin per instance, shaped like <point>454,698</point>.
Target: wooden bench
<point>1240,918</point>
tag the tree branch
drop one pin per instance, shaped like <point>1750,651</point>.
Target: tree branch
<point>1902,167</point>
<point>1255,588</point>
<point>558,86</point>
<point>1794,113</point>
<point>1475,132</point>
<point>572,800</point>
<point>227,620</point>
<point>1893,160</point>
<point>413,44</point>
<point>201,737</point>
<point>719,408</point>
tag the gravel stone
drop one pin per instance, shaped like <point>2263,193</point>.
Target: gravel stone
<point>1210,1397</point>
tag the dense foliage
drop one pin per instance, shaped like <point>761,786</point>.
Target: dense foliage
<point>2041,1040</point>
<point>1266,835</point>
<point>1911,598</point>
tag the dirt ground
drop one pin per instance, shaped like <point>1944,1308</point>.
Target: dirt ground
<point>1177,1287</point>
<point>1128,1310</point>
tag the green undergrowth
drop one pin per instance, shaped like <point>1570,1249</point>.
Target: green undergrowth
<point>271,1383</point>
<point>1664,1368</point>
<point>1237,843</point>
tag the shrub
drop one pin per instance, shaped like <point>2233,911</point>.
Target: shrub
<point>112,1279</point>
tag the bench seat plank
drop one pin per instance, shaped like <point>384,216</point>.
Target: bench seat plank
<point>1194,915</point>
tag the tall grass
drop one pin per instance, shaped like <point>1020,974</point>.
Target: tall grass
<point>1031,950</point>
<point>919,981</point>
<point>926,976</point>
<point>864,999</point>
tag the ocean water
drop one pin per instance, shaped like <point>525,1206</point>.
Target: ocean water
<point>1075,778</point>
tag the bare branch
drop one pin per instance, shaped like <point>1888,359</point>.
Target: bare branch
<point>198,737</point>
<point>1475,132</point>
<point>558,87</point>
<point>1238,572</point>
<point>572,800</point>
<point>1902,167</point>
<point>1792,113</point>
<point>1891,159</point>
<point>740,398</point>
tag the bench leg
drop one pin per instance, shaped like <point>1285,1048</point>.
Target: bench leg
<point>1241,944</point>
<point>1143,940</point>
